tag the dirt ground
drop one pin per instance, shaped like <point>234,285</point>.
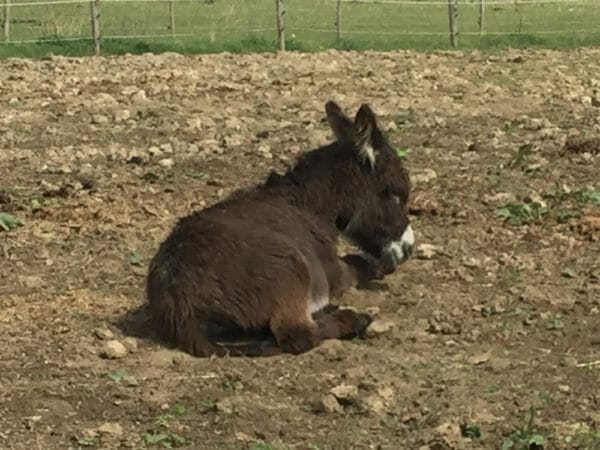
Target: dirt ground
<point>489,337</point>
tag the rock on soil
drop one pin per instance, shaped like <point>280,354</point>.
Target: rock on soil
<point>113,350</point>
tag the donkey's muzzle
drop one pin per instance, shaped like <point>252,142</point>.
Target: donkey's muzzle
<point>397,252</point>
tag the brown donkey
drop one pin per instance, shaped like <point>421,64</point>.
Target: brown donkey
<point>263,262</point>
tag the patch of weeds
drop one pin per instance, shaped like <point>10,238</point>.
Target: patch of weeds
<point>36,204</point>
<point>528,437</point>
<point>404,118</point>
<point>564,215</point>
<point>568,272</point>
<point>150,176</point>
<point>402,152</point>
<point>522,154</point>
<point>558,195</point>
<point>260,445</point>
<point>9,222</point>
<point>119,376</point>
<point>592,197</point>
<point>492,389</point>
<point>544,396</point>
<point>208,406</point>
<point>507,127</point>
<point>513,276</point>
<point>470,430</point>
<point>522,213</point>
<point>230,383</point>
<point>87,442</point>
<point>161,436</point>
<point>586,439</point>
<point>390,421</point>
<point>197,175</point>
<point>554,322</point>
<point>174,411</point>
<point>134,259</point>
<point>164,440</point>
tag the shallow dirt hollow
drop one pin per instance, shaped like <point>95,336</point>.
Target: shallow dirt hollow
<point>493,322</point>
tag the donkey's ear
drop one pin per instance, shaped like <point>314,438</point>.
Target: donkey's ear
<point>341,125</point>
<point>365,124</point>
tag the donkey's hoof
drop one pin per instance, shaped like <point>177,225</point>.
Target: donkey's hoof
<point>355,324</point>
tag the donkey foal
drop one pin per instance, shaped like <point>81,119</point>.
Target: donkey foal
<point>263,262</point>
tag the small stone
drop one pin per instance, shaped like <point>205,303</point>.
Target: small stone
<point>64,169</point>
<point>241,436</point>
<point>480,358</point>
<point>177,360</point>
<point>121,115</point>
<point>332,349</point>
<point>30,281</point>
<point>499,364</point>
<point>373,310</point>
<point>377,328</point>
<point>103,334</point>
<point>166,147</point>
<point>328,403</point>
<point>564,388</point>
<point>374,404</point>
<point>139,96</point>
<point>345,392</point>
<point>130,381</point>
<point>427,251</point>
<point>166,162</point>
<point>225,406</point>
<point>164,407</point>
<point>99,119</point>
<point>569,361</point>
<point>154,151</point>
<point>113,350</point>
<point>110,429</point>
<point>471,263</point>
<point>423,177</point>
<point>450,432</point>
<point>131,344</point>
<point>499,199</point>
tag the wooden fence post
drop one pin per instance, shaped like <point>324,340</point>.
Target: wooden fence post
<point>172,16</point>
<point>338,19</point>
<point>480,17</point>
<point>280,29</point>
<point>452,22</point>
<point>6,21</point>
<point>95,13</point>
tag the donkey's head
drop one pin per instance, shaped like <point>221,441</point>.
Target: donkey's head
<point>375,214</point>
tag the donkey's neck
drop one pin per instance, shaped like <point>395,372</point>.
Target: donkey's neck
<point>317,194</point>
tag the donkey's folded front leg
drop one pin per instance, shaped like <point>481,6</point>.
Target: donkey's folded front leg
<point>363,270</point>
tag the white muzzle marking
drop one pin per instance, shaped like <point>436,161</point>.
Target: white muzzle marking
<point>400,250</point>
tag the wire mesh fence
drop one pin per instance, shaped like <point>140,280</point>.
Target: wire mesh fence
<point>301,24</point>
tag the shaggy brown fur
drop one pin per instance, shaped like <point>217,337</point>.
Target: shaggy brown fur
<point>264,260</point>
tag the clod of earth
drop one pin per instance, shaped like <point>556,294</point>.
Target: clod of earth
<point>329,404</point>
<point>113,350</point>
<point>379,327</point>
<point>111,429</point>
<point>103,333</point>
<point>346,393</point>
